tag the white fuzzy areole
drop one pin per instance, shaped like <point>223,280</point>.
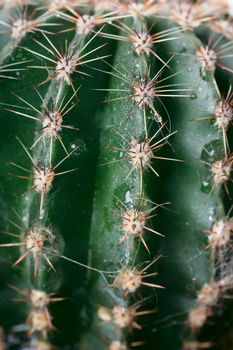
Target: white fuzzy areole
<point>41,345</point>
<point>221,170</point>
<point>39,321</point>
<point>117,345</point>
<point>143,93</point>
<point>220,233</point>
<point>52,124</point>
<point>39,299</point>
<point>185,15</point>
<point>56,5</point>
<point>140,154</point>
<point>230,7</point>
<point>122,317</point>
<point>224,114</point>
<point>65,67</point>
<point>85,24</point>
<point>20,28</point>
<point>36,239</point>
<point>105,314</point>
<point>142,43</point>
<point>139,9</point>
<point>197,317</point>
<point>218,228</point>
<point>207,58</point>
<point>128,280</point>
<point>43,178</point>
<point>209,294</point>
<point>133,222</point>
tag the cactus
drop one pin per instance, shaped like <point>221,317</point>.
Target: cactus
<point>116,164</point>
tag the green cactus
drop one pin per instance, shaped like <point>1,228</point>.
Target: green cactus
<point>116,162</point>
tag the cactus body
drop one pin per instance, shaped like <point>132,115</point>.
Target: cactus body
<point>115,175</point>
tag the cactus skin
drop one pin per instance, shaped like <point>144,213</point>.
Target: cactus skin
<point>86,209</point>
